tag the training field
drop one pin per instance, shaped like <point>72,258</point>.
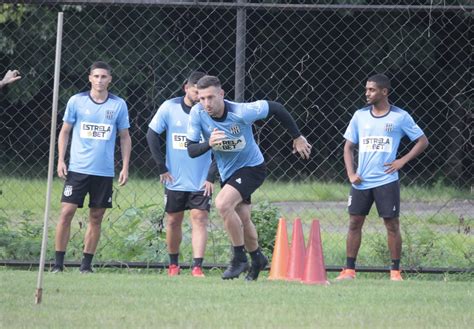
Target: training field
<point>148,299</point>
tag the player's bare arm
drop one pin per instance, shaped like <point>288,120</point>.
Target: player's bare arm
<point>126,149</point>
<point>349,163</point>
<point>419,147</point>
<point>62,147</point>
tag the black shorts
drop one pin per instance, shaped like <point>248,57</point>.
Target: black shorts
<point>247,180</point>
<point>177,201</point>
<point>78,185</point>
<point>386,197</point>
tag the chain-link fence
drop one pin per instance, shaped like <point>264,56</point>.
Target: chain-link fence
<point>312,56</point>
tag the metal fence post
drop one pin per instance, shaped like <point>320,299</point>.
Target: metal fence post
<point>240,44</point>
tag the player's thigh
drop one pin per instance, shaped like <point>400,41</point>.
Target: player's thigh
<point>75,188</point>
<point>247,180</point>
<point>199,202</point>
<point>100,192</point>
<point>175,201</point>
<point>228,197</point>
<point>360,202</point>
<point>387,200</point>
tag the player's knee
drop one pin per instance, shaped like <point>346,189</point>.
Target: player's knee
<point>173,223</point>
<point>223,208</point>
<point>355,224</point>
<point>392,227</point>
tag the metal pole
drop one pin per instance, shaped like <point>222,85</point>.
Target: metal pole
<point>44,243</point>
<point>240,45</point>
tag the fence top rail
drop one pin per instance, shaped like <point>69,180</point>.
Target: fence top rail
<point>244,5</point>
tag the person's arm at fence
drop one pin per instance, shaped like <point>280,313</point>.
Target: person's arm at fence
<point>63,140</point>
<point>126,150</point>
<point>10,77</point>
<point>300,144</point>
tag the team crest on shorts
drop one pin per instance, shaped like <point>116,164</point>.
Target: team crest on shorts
<point>389,127</point>
<point>109,114</point>
<point>68,190</point>
<point>235,130</point>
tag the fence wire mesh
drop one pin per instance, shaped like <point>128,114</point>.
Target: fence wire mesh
<point>312,56</point>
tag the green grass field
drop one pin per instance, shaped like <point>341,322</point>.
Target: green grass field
<point>148,299</point>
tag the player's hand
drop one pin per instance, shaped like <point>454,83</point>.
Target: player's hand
<point>216,138</point>
<point>208,188</point>
<point>394,166</point>
<point>62,169</point>
<point>10,76</point>
<point>123,177</point>
<point>355,179</point>
<point>302,147</point>
<point>166,178</point>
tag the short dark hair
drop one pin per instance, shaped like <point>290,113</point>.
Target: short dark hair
<point>100,65</point>
<point>381,80</point>
<point>194,77</point>
<point>208,81</point>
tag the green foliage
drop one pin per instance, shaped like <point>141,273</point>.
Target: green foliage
<point>265,217</point>
<point>20,241</point>
<point>136,235</point>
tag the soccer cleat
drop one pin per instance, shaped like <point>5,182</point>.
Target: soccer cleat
<point>234,269</point>
<point>346,274</point>
<point>395,275</point>
<point>197,272</point>
<point>256,267</point>
<point>173,270</point>
<point>85,270</point>
<point>57,269</point>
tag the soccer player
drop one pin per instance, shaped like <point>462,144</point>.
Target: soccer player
<point>377,129</point>
<point>95,118</point>
<point>189,185</point>
<point>227,129</point>
<point>10,77</point>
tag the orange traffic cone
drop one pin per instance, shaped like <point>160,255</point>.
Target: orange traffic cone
<point>297,253</point>
<point>279,265</point>
<point>314,269</point>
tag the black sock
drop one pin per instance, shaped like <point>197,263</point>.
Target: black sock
<point>395,264</point>
<point>87,260</point>
<point>351,263</point>
<point>174,259</point>
<point>239,253</point>
<point>255,255</point>
<point>197,262</point>
<point>60,258</point>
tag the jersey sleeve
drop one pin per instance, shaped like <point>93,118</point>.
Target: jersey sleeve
<point>410,128</point>
<point>351,131</point>
<point>159,122</point>
<point>254,111</point>
<point>194,125</point>
<point>70,113</point>
<point>123,121</point>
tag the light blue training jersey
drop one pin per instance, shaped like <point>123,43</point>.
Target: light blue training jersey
<point>94,132</point>
<point>378,139</point>
<point>239,148</point>
<point>189,173</point>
